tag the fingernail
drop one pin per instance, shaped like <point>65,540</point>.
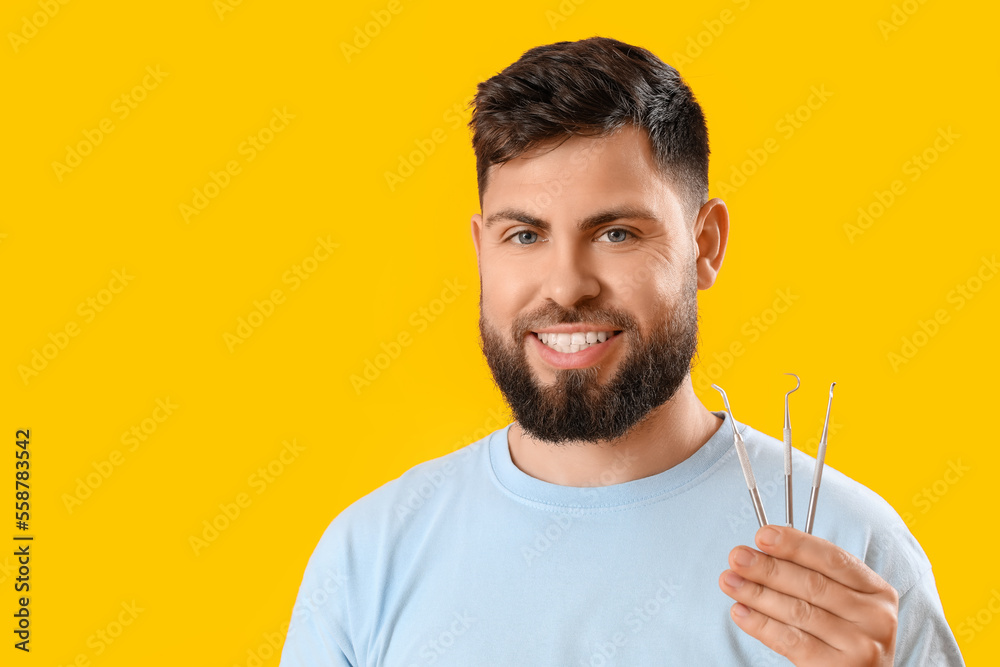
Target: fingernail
<point>769,536</point>
<point>732,579</point>
<point>744,557</point>
<point>740,609</point>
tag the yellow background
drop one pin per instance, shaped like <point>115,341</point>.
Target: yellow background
<point>324,176</point>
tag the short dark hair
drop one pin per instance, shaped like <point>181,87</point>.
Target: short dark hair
<point>592,87</point>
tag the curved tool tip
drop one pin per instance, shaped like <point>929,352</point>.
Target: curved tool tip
<point>725,401</point>
<point>832,385</point>
<point>798,382</point>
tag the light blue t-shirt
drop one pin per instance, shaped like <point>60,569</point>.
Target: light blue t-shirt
<point>465,560</point>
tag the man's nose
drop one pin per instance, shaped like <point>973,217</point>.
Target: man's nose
<point>569,276</point>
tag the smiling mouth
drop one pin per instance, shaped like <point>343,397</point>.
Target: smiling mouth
<point>574,342</point>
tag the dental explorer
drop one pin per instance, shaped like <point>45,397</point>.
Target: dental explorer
<point>741,452</point>
<point>786,432</point>
<point>820,458</point>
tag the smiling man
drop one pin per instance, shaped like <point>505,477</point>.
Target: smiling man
<point>608,524</point>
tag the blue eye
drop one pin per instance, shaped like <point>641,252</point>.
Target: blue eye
<point>521,237</point>
<point>620,235</point>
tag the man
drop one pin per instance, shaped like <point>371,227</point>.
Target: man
<point>603,526</point>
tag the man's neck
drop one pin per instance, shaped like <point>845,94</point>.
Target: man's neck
<point>672,432</point>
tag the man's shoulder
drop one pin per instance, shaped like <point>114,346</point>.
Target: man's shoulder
<point>416,496</point>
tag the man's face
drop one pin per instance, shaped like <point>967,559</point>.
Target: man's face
<point>588,307</point>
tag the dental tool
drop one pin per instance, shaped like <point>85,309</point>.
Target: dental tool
<point>818,473</point>
<point>741,452</point>
<point>786,432</point>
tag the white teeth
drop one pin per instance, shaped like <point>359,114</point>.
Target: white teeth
<point>578,340</point>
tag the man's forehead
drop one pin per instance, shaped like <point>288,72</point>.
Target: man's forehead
<point>584,205</point>
<point>579,178</point>
<point>567,155</point>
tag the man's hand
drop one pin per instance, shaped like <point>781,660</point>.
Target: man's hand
<point>811,601</point>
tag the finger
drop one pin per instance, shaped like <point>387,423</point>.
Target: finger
<point>793,643</point>
<point>789,610</point>
<point>800,582</point>
<point>820,555</point>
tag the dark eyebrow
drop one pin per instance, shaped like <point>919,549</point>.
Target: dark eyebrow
<point>595,220</point>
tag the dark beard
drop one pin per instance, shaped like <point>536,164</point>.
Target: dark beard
<point>575,407</point>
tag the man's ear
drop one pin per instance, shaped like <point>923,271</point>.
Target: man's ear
<point>711,233</point>
<point>477,231</point>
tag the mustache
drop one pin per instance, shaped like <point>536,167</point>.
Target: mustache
<point>552,314</point>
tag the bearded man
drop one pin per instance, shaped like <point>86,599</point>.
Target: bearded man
<point>605,524</point>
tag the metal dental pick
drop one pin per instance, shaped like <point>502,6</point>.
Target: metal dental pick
<point>786,432</point>
<point>741,452</point>
<point>818,474</point>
